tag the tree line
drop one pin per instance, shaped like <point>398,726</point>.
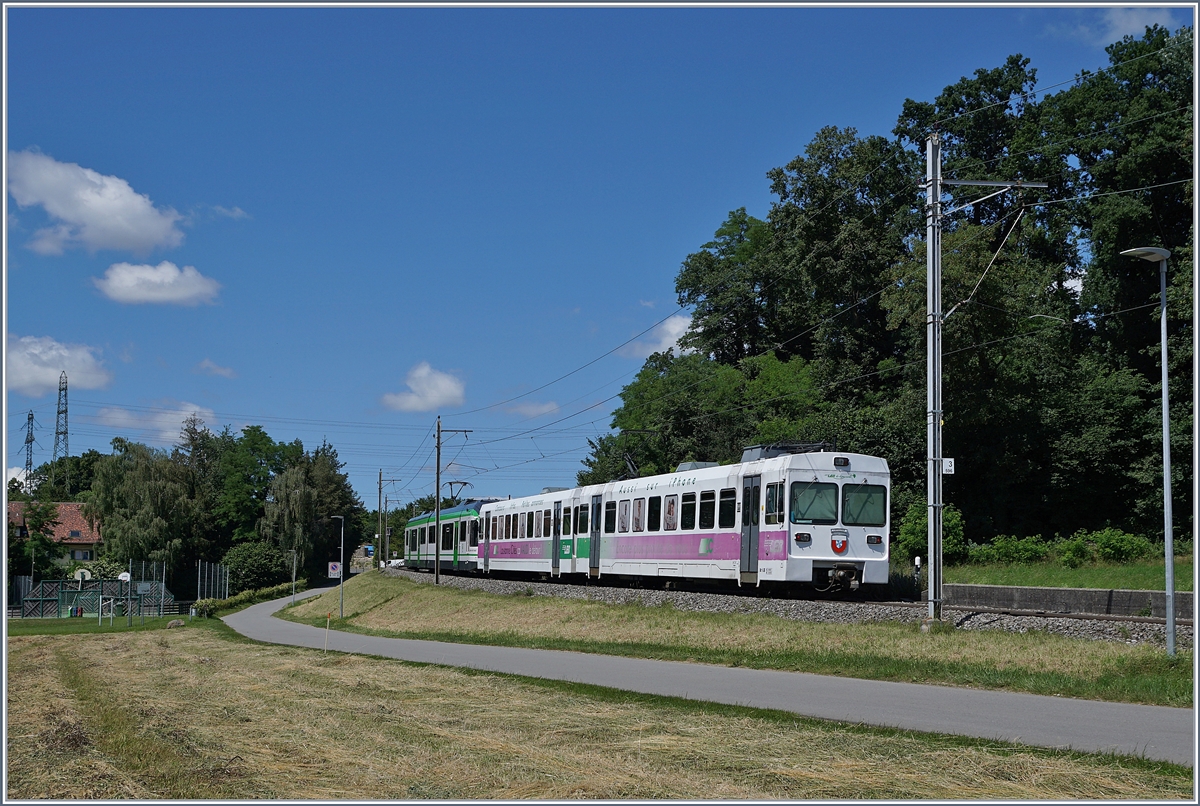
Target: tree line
<point>241,499</point>
<point>810,325</point>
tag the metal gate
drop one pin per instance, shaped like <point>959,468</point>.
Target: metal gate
<point>751,492</point>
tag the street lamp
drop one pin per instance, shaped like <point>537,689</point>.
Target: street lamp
<point>342,570</point>
<point>1159,256</point>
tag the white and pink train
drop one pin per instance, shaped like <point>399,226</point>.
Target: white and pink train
<point>785,513</point>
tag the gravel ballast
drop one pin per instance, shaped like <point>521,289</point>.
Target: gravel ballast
<point>847,612</point>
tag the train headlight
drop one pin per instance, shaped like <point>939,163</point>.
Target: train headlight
<point>874,540</point>
<point>803,537</point>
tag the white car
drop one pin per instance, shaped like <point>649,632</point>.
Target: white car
<point>396,563</point>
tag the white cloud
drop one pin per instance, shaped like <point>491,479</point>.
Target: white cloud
<point>89,209</point>
<point>236,212</point>
<point>209,367</point>
<point>662,337</point>
<point>165,283</point>
<point>534,409</point>
<point>1120,22</point>
<point>11,473</point>
<point>35,362</point>
<point>646,303</point>
<point>1104,26</point>
<point>161,426</point>
<point>430,390</point>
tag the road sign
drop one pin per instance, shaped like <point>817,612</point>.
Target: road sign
<point>947,467</point>
<point>335,570</point>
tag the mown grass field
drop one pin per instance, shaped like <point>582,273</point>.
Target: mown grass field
<point>1035,662</point>
<point>1133,575</point>
<point>199,712</point>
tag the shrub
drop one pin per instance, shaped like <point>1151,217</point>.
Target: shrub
<point>913,538</point>
<point>981,554</point>
<point>1020,550</point>
<point>1116,546</point>
<point>255,565</point>
<point>1074,552</point>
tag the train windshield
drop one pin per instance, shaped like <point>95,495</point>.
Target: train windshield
<point>814,502</point>
<point>864,505</point>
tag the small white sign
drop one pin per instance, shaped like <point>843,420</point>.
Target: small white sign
<point>335,570</point>
<point>947,467</point>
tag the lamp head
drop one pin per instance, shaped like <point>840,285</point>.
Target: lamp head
<point>1150,253</point>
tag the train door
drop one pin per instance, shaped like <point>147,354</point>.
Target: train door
<point>594,542</point>
<point>751,493</point>
<point>556,545</point>
<point>487,540</point>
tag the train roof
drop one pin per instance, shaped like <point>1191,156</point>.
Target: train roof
<point>471,505</point>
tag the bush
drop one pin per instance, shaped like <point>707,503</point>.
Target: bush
<point>1074,552</point>
<point>981,554</point>
<point>913,538</point>
<point>1116,546</point>
<point>255,565</point>
<point>1020,550</point>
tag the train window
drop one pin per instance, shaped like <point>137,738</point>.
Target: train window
<point>530,517</point>
<point>774,504</point>
<point>566,521</point>
<point>864,505</point>
<point>654,513</point>
<point>581,520</point>
<point>623,520</point>
<point>639,514</point>
<point>814,502</point>
<point>687,515</point>
<point>508,530</point>
<point>610,517</point>
<point>727,513</point>
<point>492,535</point>
<point>671,515</point>
<point>537,523</point>
<point>460,534</point>
<point>546,527</point>
<point>474,532</point>
<point>708,509</point>
<point>447,536</point>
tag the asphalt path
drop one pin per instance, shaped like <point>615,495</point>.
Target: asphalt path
<point>1153,732</point>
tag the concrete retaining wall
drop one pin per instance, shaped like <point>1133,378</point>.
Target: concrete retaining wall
<point>1069,600</point>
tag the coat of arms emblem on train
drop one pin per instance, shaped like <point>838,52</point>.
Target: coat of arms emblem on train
<point>839,544</point>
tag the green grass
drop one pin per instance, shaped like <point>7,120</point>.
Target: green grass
<point>1135,575</point>
<point>85,626</point>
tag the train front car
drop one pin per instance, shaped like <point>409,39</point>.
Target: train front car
<point>457,548</point>
<point>824,519</point>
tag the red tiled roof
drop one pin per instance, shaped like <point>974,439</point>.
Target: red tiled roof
<point>70,519</point>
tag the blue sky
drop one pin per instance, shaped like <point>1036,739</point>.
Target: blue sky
<point>337,223</point>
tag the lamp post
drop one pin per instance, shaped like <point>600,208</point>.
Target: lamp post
<point>342,570</point>
<point>293,553</point>
<point>1159,256</point>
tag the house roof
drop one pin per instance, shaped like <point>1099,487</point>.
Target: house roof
<point>72,526</point>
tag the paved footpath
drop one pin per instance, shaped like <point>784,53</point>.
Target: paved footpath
<point>1154,732</point>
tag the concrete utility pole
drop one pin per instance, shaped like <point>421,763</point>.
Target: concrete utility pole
<point>437,503</point>
<point>934,319</point>
<point>379,509</point>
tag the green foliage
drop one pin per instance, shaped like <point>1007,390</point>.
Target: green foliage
<point>913,538</point>
<point>1113,545</point>
<point>1020,550</point>
<point>1074,552</point>
<point>255,565</point>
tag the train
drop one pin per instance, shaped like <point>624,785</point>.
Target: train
<point>787,513</point>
